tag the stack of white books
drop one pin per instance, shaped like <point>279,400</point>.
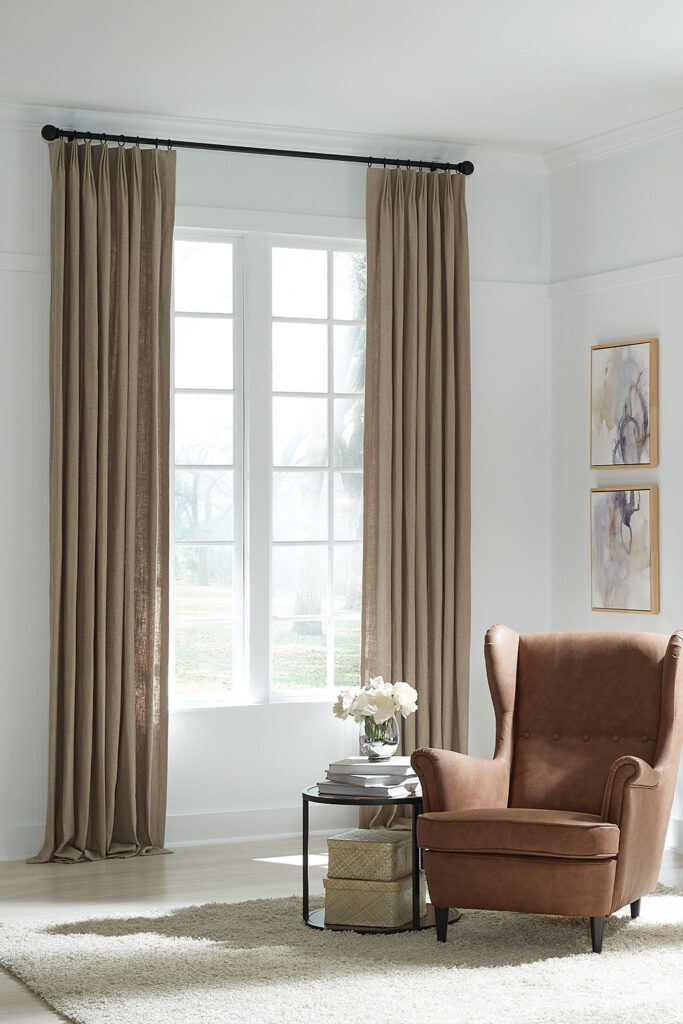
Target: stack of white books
<point>358,776</point>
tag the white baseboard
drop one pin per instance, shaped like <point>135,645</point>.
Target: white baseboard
<point>18,842</point>
<point>21,841</point>
<point>260,823</point>
<point>674,835</point>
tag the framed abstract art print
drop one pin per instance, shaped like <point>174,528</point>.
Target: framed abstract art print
<point>624,404</point>
<point>624,549</point>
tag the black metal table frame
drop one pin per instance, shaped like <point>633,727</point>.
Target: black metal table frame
<point>313,796</point>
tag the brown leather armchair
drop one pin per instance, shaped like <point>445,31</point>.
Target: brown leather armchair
<point>570,816</point>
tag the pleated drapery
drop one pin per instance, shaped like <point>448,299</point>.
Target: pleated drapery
<point>416,537</point>
<point>112,229</point>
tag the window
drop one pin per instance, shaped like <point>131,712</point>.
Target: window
<point>268,466</point>
<point>207,471</point>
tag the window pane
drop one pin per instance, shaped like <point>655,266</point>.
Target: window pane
<point>203,505</point>
<point>348,432</point>
<point>349,359</point>
<point>203,353</point>
<point>347,652</point>
<point>348,506</point>
<point>203,659</point>
<point>299,581</point>
<point>203,429</point>
<point>299,654</point>
<point>300,432</point>
<point>349,280</point>
<point>348,572</point>
<point>300,506</point>
<point>299,357</point>
<point>300,283</point>
<point>203,582</point>
<point>202,277</point>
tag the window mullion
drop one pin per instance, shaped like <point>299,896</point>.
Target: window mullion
<point>240,655</point>
<point>257,457</point>
<point>330,478</point>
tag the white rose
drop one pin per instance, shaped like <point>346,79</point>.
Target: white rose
<point>342,705</point>
<point>384,707</point>
<point>362,706</point>
<point>376,683</point>
<point>405,697</point>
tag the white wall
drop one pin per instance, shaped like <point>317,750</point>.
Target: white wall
<point>220,783</point>
<point>617,274</point>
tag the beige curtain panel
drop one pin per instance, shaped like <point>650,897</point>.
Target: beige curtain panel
<point>112,230</point>
<point>416,537</point>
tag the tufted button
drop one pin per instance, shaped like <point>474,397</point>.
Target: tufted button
<point>585,737</point>
<point>645,737</point>
<point>556,735</point>
<point>615,739</point>
<point>526,734</point>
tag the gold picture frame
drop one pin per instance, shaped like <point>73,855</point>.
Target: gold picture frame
<point>624,524</point>
<point>624,413</point>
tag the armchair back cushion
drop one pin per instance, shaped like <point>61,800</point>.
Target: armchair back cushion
<point>582,701</point>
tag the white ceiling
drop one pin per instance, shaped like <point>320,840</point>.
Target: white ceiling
<point>533,74</point>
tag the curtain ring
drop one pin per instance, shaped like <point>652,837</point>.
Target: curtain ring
<point>156,143</point>
<point>137,141</point>
<point>169,146</point>
<point>369,161</point>
<point>122,141</point>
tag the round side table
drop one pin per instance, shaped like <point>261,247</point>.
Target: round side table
<point>316,918</point>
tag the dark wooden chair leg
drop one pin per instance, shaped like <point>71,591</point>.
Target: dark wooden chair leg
<point>635,908</point>
<point>441,916</point>
<point>597,932</point>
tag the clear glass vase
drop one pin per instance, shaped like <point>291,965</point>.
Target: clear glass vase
<point>379,742</point>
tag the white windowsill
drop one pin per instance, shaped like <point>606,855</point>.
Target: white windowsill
<point>328,697</point>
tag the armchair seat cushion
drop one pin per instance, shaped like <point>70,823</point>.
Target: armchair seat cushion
<point>519,830</point>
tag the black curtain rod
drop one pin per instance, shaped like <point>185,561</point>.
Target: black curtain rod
<point>50,133</point>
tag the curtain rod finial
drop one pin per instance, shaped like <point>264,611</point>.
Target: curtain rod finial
<point>49,132</point>
<point>466,167</point>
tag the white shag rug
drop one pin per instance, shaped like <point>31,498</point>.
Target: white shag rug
<point>256,963</point>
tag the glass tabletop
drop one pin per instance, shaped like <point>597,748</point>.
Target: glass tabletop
<point>352,799</point>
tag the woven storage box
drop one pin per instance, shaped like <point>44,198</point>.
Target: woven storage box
<point>368,904</point>
<point>378,854</point>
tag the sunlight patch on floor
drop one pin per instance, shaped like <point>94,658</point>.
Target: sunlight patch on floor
<point>314,860</point>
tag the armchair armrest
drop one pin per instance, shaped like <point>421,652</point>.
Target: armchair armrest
<point>457,782</point>
<point>638,799</point>
<point>627,772</point>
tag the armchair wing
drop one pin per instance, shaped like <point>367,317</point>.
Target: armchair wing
<point>457,782</point>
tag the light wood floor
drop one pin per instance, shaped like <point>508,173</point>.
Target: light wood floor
<point>228,872</point>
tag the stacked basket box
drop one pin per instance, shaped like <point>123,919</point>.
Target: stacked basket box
<point>369,882</point>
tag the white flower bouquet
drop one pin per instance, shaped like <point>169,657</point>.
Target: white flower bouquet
<point>375,707</point>
<point>378,700</point>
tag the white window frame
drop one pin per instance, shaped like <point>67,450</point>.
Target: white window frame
<point>253,234</point>
<point>238,694</point>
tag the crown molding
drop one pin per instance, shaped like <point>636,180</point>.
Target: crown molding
<point>621,140</point>
<point>31,118</point>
